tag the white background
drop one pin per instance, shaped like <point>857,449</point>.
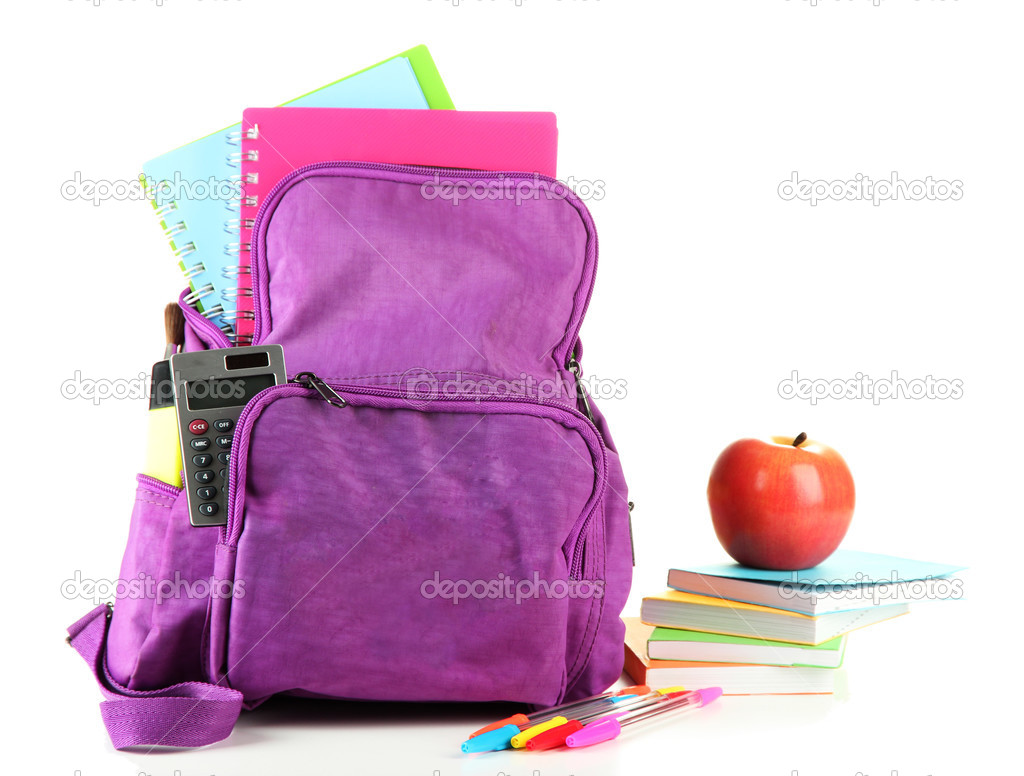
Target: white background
<point>711,290</point>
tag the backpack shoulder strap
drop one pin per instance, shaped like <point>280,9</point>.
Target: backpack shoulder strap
<point>186,714</point>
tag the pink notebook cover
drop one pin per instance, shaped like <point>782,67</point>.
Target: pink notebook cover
<point>285,139</point>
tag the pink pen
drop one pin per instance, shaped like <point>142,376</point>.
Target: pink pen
<point>608,727</point>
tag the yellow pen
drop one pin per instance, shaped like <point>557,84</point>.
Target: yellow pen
<point>519,740</point>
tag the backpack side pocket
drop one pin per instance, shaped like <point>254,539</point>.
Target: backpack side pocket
<point>162,593</point>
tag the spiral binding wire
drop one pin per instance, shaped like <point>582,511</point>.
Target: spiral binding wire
<point>236,225</point>
<point>235,136</point>
<point>231,294</point>
<point>235,158</point>
<point>239,315</point>
<point>233,337</point>
<point>175,229</point>
<point>199,293</point>
<point>184,250</point>
<point>196,269</point>
<point>233,249</point>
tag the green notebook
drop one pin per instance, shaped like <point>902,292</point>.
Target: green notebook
<point>678,644</point>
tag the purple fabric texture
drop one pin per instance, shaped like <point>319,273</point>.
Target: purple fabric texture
<point>459,531</point>
<point>365,273</point>
<point>466,496</point>
<point>153,639</point>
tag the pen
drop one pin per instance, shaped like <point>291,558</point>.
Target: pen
<point>546,714</point>
<point>554,737</point>
<point>609,727</point>
<point>501,738</point>
<point>515,736</point>
<point>591,710</point>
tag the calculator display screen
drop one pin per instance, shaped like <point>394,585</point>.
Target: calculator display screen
<point>225,392</point>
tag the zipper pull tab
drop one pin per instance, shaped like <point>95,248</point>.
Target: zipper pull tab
<point>328,394</point>
<point>581,395</point>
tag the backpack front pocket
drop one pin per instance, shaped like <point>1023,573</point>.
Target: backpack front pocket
<point>391,550</point>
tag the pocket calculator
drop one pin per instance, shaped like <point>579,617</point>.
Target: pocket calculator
<point>210,389</point>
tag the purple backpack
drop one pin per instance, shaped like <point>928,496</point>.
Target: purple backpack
<point>456,528</point>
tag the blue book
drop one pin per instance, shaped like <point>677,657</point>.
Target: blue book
<point>846,580</point>
<point>195,190</point>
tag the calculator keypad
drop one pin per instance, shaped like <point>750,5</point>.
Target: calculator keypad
<point>212,482</point>
<point>208,508</point>
<point>212,388</point>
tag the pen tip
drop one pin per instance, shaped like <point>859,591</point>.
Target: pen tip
<point>709,694</point>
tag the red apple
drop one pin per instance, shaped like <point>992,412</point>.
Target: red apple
<point>784,504</point>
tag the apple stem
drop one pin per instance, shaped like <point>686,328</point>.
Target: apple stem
<point>801,438</point>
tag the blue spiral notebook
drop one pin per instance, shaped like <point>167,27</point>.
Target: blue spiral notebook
<point>195,190</point>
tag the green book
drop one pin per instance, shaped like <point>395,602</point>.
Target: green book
<point>678,644</point>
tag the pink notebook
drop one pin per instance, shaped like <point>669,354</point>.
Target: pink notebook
<point>276,141</point>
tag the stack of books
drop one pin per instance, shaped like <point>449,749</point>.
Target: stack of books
<point>755,631</point>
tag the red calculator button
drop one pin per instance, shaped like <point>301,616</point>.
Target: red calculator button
<point>198,427</point>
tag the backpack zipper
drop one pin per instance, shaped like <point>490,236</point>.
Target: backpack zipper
<point>581,393</point>
<point>327,393</point>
